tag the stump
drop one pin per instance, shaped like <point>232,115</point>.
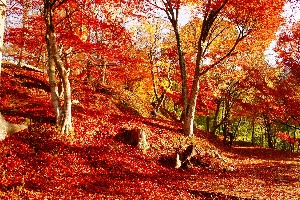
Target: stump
<point>142,140</point>
<point>136,137</point>
<point>184,158</point>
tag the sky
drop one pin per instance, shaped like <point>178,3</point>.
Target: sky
<point>292,14</point>
<point>292,11</point>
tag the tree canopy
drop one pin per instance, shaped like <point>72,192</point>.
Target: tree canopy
<point>127,99</point>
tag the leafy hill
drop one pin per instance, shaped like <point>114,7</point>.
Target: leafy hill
<point>99,161</point>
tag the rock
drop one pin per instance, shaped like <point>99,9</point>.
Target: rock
<point>6,128</point>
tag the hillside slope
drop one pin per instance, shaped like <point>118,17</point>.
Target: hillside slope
<point>99,162</point>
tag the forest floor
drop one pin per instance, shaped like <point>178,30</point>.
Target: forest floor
<point>97,162</point>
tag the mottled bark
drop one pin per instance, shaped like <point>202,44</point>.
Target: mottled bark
<point>54,88</point>
<point>65,117</point>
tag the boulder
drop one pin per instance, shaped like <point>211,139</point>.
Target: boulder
<point>6,128</point>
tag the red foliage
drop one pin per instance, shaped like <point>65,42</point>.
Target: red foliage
<point>91,163</point>
<point>40,163</point>
<point>285,137</point>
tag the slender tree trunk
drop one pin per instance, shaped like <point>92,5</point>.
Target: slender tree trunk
<point>66,121</point>
<point>208,123</point>
<point>189,102</point>
<point>54,88</point>
<point>2,27</point>
<point>270,144</point>
<point>253,132</point>
<point>183,73</point>
<point>225,133</point>
<point>190,116</point>
<point>215,119</point>
<point>103,73</point>
<point>261,135</point>
<point>294,136</point>
<point>65,117</point>
<point>159,104</point>
<point>189,105</point>
<point>268,127</point>
<point>173,14</point>
<point>154,83</point>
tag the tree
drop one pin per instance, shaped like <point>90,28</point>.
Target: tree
<point>288,49</point>
<point>288,64</point>
<point>63,114</point>
<point>25,33</point>
<point>244,17</point>
<point>79,35</point>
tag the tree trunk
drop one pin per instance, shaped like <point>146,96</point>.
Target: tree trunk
<point>270,142</point>
<point>65,117</point>
<point>2,27</point>
<point>225,133</point>
<point>154,82</point>
<point>253,132</point>
<point>103,73</point>
<point>215,124</point>
<point>208,123</point>
<point>294,136</point>
<point>268,126</point>
<point>159,103</point>
<point>54,88</point>
<point>190,116</point>
<point>184,87</point>
<point>66,121</point>
<point>172,14</point>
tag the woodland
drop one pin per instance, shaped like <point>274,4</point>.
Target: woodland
<point>149,99</point>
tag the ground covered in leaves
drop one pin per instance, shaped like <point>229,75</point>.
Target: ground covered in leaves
<point>98,162</point>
